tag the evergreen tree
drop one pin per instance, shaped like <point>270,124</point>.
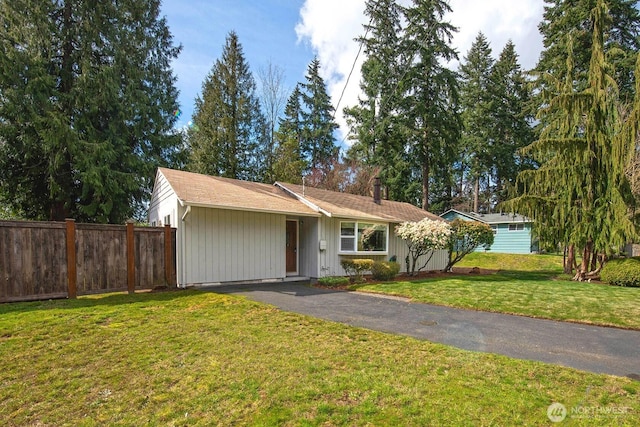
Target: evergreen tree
<point>86,108</point>
<point>581,192</point>
<point>567,22</point>
<point>430,105</point>
<point>511,124</point>
<point>292,123</point>
<point>567,26</point>
<point>476,104</point>
<point>229,137</point>
<point>374,122</point>
<point>289,165</point>
<point>317,143</point>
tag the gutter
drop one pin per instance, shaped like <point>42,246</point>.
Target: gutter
<point>245,209</point>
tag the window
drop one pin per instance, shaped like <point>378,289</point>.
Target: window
<point>347,236</point>
<point>494,228</point>
<point>363,237</point>
<point>516,227</point>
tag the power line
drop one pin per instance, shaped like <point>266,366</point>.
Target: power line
<point>353,66</point>
<point>397,83</point>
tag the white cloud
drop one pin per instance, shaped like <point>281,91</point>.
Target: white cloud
<point>330,27</point>
<point>500,21</point>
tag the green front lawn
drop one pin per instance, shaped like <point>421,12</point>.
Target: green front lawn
<point>196,358</point>
<point>551,263</point>
<point>525,285</point>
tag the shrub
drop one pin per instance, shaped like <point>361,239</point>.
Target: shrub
<point>355,267</point>
<point>466,237</point>
<point>622,272</point>
<point>385,270</point>
<point>423,238</point>
<point>333,281</point>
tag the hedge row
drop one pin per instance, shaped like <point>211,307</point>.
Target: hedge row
<point>622,272</point>
<point>380,270</point>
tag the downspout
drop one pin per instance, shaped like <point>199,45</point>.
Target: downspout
<point>183,243</point>
<point>186,213</point>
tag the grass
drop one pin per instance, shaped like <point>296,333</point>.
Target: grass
<point>525,285</point>
<point>550,263</point>
<point>196,358</point>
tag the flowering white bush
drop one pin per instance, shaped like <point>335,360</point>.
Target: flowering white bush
<point>423,237</point>
<point>466,237</point>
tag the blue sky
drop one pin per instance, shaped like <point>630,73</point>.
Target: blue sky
<point>289,33</point>
<point>265,28</point>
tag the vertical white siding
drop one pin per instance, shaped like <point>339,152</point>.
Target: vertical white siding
<point>398,247</point>
<point>308,247</point>
<point>330,260</point>
<point>228,246</point>
<point>163,202</point>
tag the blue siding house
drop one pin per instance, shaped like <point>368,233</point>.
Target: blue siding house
<point>512,232</point>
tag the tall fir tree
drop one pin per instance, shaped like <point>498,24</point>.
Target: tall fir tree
<point>431,100</point>
<point>580,193</point>
<point>318,145</point>
<point>374,122</point>
<point>567,22</point>
<point>512,124</point>
<point>289,165</point>
<point>567,25</point>
<point>476,104</point>
<point>229,137</point>
<point>86,108</point>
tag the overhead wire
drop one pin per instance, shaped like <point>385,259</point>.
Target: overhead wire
<point>353,66</point>
<point>406,70</point>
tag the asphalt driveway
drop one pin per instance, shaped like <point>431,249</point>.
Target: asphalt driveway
<point>590,348</point>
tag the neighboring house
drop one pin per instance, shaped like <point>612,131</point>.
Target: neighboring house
<point>512,233</point>
<point>230,230</point>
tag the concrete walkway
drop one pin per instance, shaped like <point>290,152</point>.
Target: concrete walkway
<point>590,348</point>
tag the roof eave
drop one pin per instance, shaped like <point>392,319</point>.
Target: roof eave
<point>247,209</point>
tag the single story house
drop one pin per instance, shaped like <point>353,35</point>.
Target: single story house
<point>238,231</point>
<point>512,232</point>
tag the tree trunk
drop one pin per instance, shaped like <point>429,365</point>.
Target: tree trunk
<point>60,175</point>
<point>476,196</point>
<point>594,261</point>
<point>570,259</point>
<point>425,184</point>
<point>413,266</point>
<point>498,191</point>
<point>583,269</point>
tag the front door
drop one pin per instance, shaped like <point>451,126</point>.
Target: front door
<point>292,247</point>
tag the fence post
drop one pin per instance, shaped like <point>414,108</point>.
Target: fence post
<point>131,260</point>
<point>168,256</point>
<point>72,272</point>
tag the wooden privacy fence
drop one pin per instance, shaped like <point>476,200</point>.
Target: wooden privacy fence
<point>42,260</point>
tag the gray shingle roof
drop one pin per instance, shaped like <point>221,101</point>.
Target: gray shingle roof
<point>493,218</point>
<point>216,192</point>
<point>344,205</point>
